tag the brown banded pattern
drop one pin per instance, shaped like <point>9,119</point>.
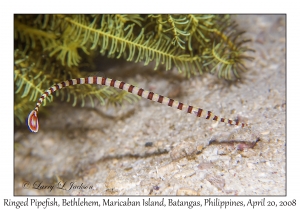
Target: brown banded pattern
<point>33,123</point>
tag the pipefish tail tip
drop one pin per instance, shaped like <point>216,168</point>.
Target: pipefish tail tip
<point>33,121</point>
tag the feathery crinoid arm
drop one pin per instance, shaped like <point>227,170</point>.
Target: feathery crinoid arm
<point>191,43</point>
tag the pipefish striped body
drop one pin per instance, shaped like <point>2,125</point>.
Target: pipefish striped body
<point>33,122</point>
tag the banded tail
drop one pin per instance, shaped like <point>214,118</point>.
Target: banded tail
<point>33,122</point>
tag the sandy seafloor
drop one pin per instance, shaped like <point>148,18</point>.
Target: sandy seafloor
<point>147,148</point>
